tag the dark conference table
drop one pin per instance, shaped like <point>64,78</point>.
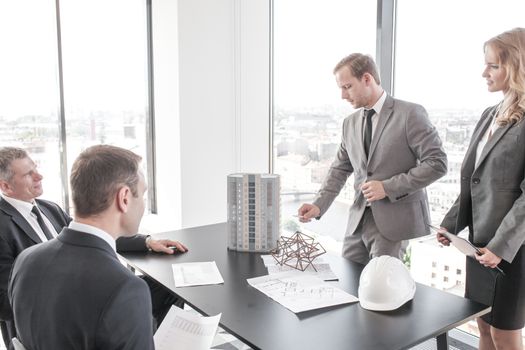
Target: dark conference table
<point>262,323</point>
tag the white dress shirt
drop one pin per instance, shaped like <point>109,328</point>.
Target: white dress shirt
<point>375,117</point>
<point>483,142</point>
<point>24,208</point>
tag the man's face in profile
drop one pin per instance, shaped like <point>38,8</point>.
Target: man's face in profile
<point>26,182</point>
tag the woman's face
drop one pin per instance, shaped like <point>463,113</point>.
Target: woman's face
<point>494,73</point>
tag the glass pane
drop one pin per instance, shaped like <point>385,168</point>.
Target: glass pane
<point>29,86</point>
<point>310,38</point>
<point>105,74</point>
<point>440,67</point>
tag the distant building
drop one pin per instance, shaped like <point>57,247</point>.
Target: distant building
<point>254,212</point>
<point>457,134</point>
<point>436,265</point>
<point>327,150</point>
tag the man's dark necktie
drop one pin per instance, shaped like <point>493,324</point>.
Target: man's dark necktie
<point>41,222</point>
<point>368,130</point>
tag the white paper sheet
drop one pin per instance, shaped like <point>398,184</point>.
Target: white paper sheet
<point>324,271</point>
<point>184,330</point>
<point>196,274</point>
<point>300,293</point>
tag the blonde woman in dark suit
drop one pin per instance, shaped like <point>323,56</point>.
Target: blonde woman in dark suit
<point>492,199</point>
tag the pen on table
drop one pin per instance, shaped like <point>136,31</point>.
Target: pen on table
<point>477,250</point>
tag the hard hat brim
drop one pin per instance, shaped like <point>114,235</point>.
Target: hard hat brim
<point>387,306</point>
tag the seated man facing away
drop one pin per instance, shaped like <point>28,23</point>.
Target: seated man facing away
<point>26,221</point>
<point>72,292</point>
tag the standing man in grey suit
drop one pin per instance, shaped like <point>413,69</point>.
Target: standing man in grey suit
<point>393,151</point>
<point>20,186</point>
<point>72,292</point>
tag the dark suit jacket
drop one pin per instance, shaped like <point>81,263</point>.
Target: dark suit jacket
<point>16,234</point>
<point>73,293</point>
<point>492,197</point>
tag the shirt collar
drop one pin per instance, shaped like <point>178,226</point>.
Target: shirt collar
<point>379,104</point>
<point>22,207</point>
<point>95,231</point>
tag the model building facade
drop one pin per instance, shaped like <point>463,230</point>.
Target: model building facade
<point>254,212</point>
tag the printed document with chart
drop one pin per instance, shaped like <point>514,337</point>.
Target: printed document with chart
<point>184,330</point>
<point>300,293</point>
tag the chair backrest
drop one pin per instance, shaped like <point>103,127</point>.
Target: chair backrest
<point>17,345</point>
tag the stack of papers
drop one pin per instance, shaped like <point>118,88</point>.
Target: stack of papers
<point>196,274</point>
<point>184,330</point>
<point>300,293</point>
<point>324,271</point>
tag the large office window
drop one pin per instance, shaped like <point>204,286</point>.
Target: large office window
<point>104,73</point>
<point>29,85</point>
<point>104,46</point>
<point>440,67</point>
<point>309,39</point>
<point>438,62</point>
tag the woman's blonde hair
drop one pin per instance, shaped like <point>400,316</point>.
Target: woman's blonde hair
<point>510,48</point>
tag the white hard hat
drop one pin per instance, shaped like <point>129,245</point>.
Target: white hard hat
<point>385,284</point>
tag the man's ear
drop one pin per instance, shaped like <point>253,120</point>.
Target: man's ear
<point>123,198</point>
<point>367,78</point>
<point>5,187</point>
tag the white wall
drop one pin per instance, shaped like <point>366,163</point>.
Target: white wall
<point>211,62</point>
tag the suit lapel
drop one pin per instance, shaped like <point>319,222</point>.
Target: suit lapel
<point>49,216</point>
<point>498,134</point>
<point>386,113</point>
<point>470,155</point>
<point>357,140</point>
<point>19,220</point>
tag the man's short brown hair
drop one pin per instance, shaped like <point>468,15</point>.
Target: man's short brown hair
<point>359,64</point>
<point>7,156</point>
<point>97,175</point>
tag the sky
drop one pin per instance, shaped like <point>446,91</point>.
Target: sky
<point>439,57</point>
<point>104,60</point>
<point>439,48</point>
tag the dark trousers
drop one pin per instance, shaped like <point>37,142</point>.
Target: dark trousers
<point>161,300</point>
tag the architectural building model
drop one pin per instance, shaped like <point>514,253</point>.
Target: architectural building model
<point>254,212</point>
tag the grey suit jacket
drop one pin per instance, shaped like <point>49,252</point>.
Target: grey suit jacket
<point>405,154</point>
<point>73,293</point>
<point>492,199</point>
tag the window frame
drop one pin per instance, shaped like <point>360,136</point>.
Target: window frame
<point>150,114</point>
